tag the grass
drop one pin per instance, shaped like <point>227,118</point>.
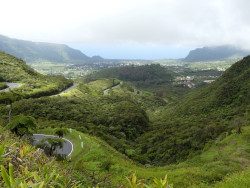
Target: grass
<point>212,168</point>
<point>235,180</point>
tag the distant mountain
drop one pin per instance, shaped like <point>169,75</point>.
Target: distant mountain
<point>97,58</point>
<point>214,53</point>
<point>39,51</point>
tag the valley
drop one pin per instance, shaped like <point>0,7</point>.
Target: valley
<point>194,135</point>
<point>125,94</point>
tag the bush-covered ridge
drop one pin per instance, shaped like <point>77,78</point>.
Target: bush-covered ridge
<point>231,89</point>
<point>34,84</point>
<point>38,51</point>
<point>135,73</point>
<point>184,129</point>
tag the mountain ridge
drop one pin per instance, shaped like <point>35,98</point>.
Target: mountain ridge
<point>215,53</point>
<point>41,51</point>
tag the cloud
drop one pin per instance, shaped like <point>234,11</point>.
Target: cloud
<point>144,22</point>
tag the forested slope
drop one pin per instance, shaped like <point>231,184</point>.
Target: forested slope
<point>135,73</point>
<point>38,52</point>
<point>118,118</point>
<point>183,130</point>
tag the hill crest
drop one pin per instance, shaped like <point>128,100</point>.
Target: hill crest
<point>215,53</point>
<point>41,51</point>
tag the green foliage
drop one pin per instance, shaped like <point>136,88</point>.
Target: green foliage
<point>161,183</point>
<point>229,154</point>
<point>117,118</point>
<point>201,129</point>
<point>239,180</point>
<point>22,125</point>
<point>23,166</point>
<point>106,165</point>
<point>133,182</point>
<point>184,129</point>
<point>135,73</point>
<point>3,85</point>
<point>61,132</point>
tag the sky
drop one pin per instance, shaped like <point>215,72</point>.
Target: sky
<point>137,29</point>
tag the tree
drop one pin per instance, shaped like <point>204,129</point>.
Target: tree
<point>237,123</point>
<point>9,98</point>
<point>61,132</point>
<point>22,125</point>
<point>50,144</point>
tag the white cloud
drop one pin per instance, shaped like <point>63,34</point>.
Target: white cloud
<point>154,22</point>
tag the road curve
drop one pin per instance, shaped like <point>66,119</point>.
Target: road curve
<point>11,86</point>
<point>16,85</point>
<point>105,91</point>
<point>67,148</point>
<point>68,89</point>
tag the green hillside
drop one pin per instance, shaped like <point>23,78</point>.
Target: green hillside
<point>152,78</point>
<point>32,83</point>
<point>32,52</point>
<point>183,130</point>
<point>228,155</point>
<point>119,117</point>
<point>231,90</point>
<point>215,53</point>
<point>224,164</point>
<point>202,141</point>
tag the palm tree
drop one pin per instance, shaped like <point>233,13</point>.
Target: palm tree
<point>9,98</point>
<point>61,132</point>
<point>51,144</point>
<point>22,125</point>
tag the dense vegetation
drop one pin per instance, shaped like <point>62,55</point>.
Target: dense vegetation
<point>119,118</point>
<point>135,73</point>
<point>99,164</point>
<point>184,129</point>
<point>25,166</point>
<point>153,78</point>
<point>3,85</point>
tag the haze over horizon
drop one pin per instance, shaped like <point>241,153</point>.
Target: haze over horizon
<point>126,29</point>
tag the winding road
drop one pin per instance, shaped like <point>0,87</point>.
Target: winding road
<point>16,85</point>
<point>68,89</point>
<point>105,92</point>
<point>11,86</point>
<point>67,146</point>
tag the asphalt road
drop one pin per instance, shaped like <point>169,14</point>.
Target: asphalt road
<point>105,92</point>
<point>67,146</point>
<point>68,89</point>
<point>11,86</point>
<point>15,85</point>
